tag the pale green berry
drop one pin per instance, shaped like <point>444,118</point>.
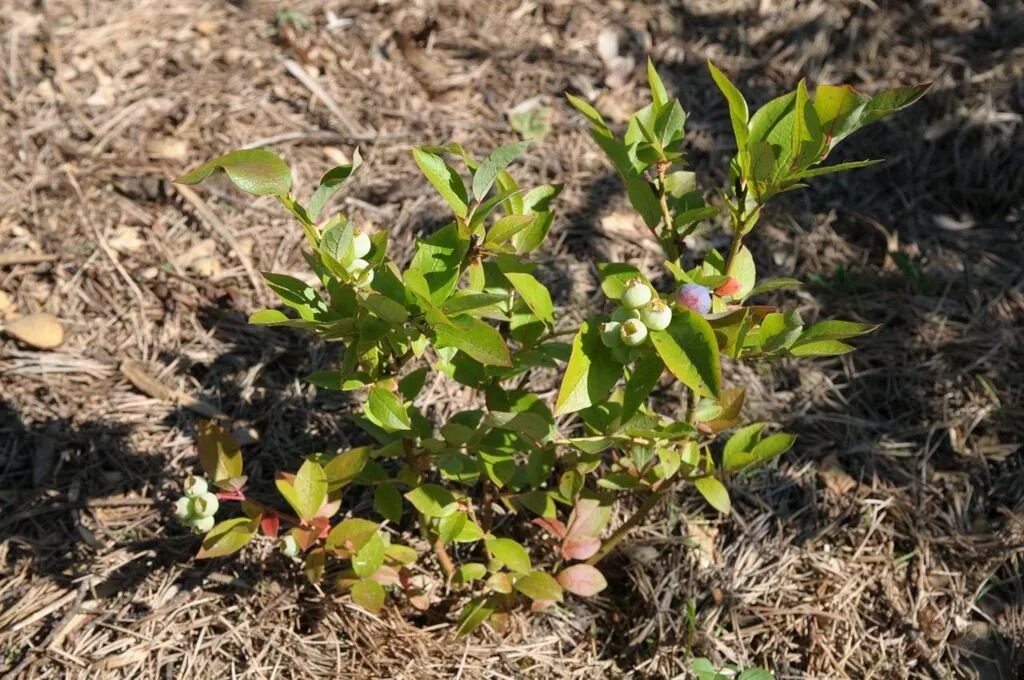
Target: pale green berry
<point>289,546</point>
<point>183,508</point>
<point>610,334</point>
<point>633,332</point>
<point>205,505</point>
<point>203,524</point>
<point>636,295</point>
<point>361,273</point>
<point>361,244</point>
<point>195,486</point>
<point>656,315</point>
<point>622,314</point>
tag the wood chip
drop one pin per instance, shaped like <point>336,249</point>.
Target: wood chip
<point>835,477</point>
<point>40,330</point>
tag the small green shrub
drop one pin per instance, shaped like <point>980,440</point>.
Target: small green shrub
<point>468,305</point>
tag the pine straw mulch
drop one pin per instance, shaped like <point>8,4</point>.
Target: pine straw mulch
<point>887,544</point>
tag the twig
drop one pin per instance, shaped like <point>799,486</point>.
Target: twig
<point>351,127</point>
<point>11,259</point>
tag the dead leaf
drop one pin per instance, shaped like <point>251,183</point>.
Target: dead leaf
<point>7,306</point>
<point>168,148</point>
<point>126,240</point>
<point>40,330</point>
<point>703,539</point>
<point>835,477</point>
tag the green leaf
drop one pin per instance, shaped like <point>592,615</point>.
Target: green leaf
<point>690,351</point>
<point>307,491</point>
<point>432,500</point>
<point>590,374</point>
<point>507,227</point>
<point>773,446</point>
<point>615,276</point>
<point>386,308</point>
<point>820,348</point>
<point>658,93</point>
<point>539,585</point>
<point>591,114</point>
<point>533,426</point>
<point>830,169</point>
<point>510,553</point>
<point>469,572</point>
<point>499,159</point>
<point>476,338</point>
<point>807,139</point>
<point>475,612</point>
<point>766,118</point>
<point>445,180</point>
<point>714,492</point>
<point>738,113</point>
<point>438,260</point>
<point>228,537</point>
<point>745,271</point>
<point>332,180</point>
<point>756,674</point>
<point>386,409</point>
<point>835,329</point>
<point>387,502</point>
<point>534,294</point>
<point>739,444</point>
<point>835,105</point>
<point>219,453</point>
<point>336,244</point>
<point>368,594</point>
<point>257,171</point>
<point>891,101</point>
<point>345,467</point>
<point>268,317</point>
<point>770,285</point>
<point>370,557</point>
<point>646,372</point>
<point>351,534</point>
<point>412,383</point>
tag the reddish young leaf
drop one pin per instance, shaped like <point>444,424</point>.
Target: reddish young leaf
<point>580,547</point>
<point>588,517</point>
<point>270,524</point>
<point>552,525</point>
<point>582,579</point>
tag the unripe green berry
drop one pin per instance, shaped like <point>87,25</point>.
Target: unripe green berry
<point>633,332</point>
<point>637,294</point>
<point>183,508</point>
<point>195,486</point>
<point>361,273</point>
<point>289,546</point>
<point>610,334</point>
<point>203,524</point>
<point>622,314</point>
<point>205,505</point>
<point>656,315</point>
<point>361,244</point>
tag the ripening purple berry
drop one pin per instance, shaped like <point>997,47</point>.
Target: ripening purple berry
<point>694,296</point>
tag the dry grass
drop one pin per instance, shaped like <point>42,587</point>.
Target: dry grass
<point>888,544</point>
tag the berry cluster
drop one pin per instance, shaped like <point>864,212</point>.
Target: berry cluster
<point>198,506</point>
<point>641,310</point>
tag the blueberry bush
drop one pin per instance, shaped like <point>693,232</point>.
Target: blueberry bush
<point>512,500</point>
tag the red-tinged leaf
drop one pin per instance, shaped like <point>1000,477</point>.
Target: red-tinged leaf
<point>588,517</point>
<point>580,547</point>
<point>219,453</point>
<point>538,606</point>
<point>553,526</point>
<point>305,536</point>
<point>270,524</point>
<point>582,579</point>
<point>228,537</point>
<point>387,576</point>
